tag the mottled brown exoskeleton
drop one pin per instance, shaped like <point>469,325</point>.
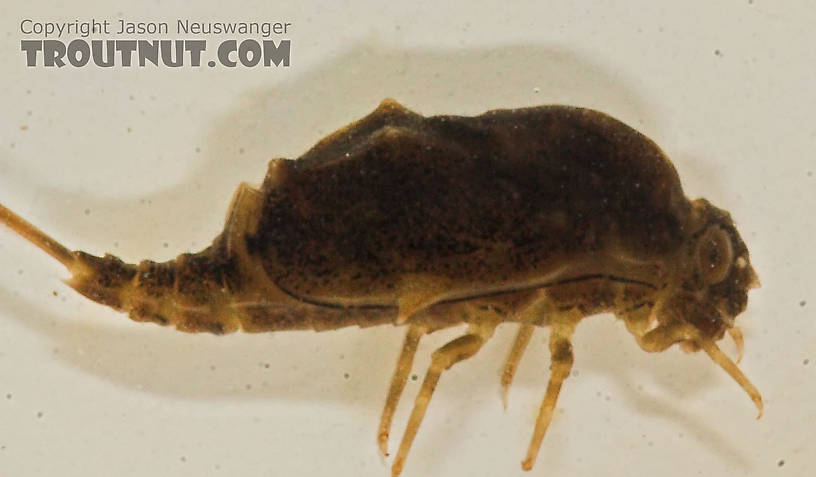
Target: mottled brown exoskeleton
<point>540,216</point>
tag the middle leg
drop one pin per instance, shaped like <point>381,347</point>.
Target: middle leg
<point>525,332</point>
<point>560,367</point>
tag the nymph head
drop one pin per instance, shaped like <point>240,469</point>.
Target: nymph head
<point>717,273</point>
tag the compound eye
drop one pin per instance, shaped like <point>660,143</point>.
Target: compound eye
<point>714,255</point>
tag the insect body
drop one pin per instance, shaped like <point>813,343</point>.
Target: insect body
<point>540,216</point>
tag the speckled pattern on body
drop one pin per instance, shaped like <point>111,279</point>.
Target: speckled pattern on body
<point>540,216</point>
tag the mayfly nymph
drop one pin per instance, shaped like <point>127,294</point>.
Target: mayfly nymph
<point>538,216</point>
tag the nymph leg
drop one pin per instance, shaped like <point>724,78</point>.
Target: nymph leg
<point>443,358</point>
<point>403,369</point>
<point>525,332</point>
<point>562,358</point>
<point>736,335</point>
<point>667,334</point>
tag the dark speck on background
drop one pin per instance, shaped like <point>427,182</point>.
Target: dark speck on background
<point>781,462</point>
<point>346,375</point>
<point>718,52</point>
<point>805,361</point>
<point>413,377</point>
<point>802,303</point>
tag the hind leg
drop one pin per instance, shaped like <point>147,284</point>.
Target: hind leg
<point>443,358</point>
<point>404,363</point>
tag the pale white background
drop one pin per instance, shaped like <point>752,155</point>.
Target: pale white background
<point>143,162</point>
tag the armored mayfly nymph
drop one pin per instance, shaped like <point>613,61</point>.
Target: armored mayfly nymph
<point>538,216</point>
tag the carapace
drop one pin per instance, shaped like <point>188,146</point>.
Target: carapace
<point>539,216</point>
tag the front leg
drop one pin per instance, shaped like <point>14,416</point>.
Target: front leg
<point>667,334</point>
<point>654,337</point>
